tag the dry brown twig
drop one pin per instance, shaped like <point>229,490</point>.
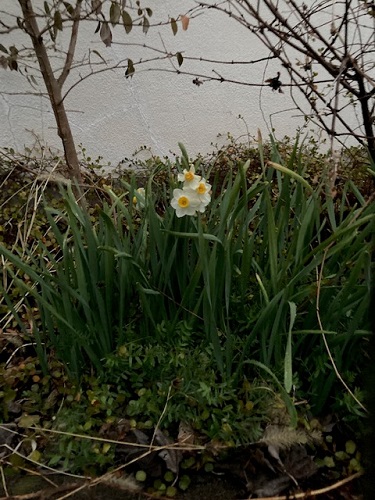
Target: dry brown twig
<point>41,493</point>
<point>320,491</point>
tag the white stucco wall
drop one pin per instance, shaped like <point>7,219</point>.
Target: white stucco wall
<point>112,116</point>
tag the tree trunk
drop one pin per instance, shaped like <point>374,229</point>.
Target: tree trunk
<point>364,99</point>
<point>53,88</point>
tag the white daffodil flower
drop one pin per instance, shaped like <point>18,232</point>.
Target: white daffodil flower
<point>203,191</point>
<point>139,201</point>
<point>189,178</point>
<point>185,202</point>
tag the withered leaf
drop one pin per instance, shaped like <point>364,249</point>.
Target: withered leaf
<point>272,487</point>
<point>141,437</point>
<point>174,25</point>
<point>185,22</point>
<point>3,62</point>
<point>57,20</point>
<point>96,6</point>
<point>185,434</point>
<point>127,22</point>
<point>299,464</point>
<point>130,69</point>
<point>180,59</point>
<point>106,34</point>
<point>69,8</point>
<point>171,456</point>
<point>114,13</point>
<point>146,25</point>
<point>13,65</point>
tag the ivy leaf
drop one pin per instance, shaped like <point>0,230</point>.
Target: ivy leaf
<point>185,22</point>
<point>149,11</point>
<point>127,22</point>
<point>3,49</point>
<point>114,13</point>
<point>98,27</point>
<point>35,456</point>
<point>146,25</point>
<point>28,420</point>
<point>180,59</point>
<point>184,482</point>
<point>130,69</point>
<point>174,25</point>
<point>46,8</point>
<point>106,34</point>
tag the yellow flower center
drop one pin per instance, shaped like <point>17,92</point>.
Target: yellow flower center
<point>134,200</point>
<point>201,189</point>
<point>183,202</point>
<point>189,176</point>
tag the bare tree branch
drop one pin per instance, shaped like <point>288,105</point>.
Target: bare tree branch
<point>72,45</point>
<point>337,38</point>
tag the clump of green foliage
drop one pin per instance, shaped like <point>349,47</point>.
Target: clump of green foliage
<point>254,253</point>
<point>151,315</point>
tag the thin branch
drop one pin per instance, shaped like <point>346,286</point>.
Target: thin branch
<point>72,45</point>
<point>221,62</point>
<point>119,65</point>
<point>314,493</point>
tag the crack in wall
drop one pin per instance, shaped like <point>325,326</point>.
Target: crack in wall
<point>144,119</point>
<point>138,106</point>
<point>8,119</point>
<point>12,128</point>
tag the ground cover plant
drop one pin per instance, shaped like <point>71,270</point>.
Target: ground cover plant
<point>188,315</point>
